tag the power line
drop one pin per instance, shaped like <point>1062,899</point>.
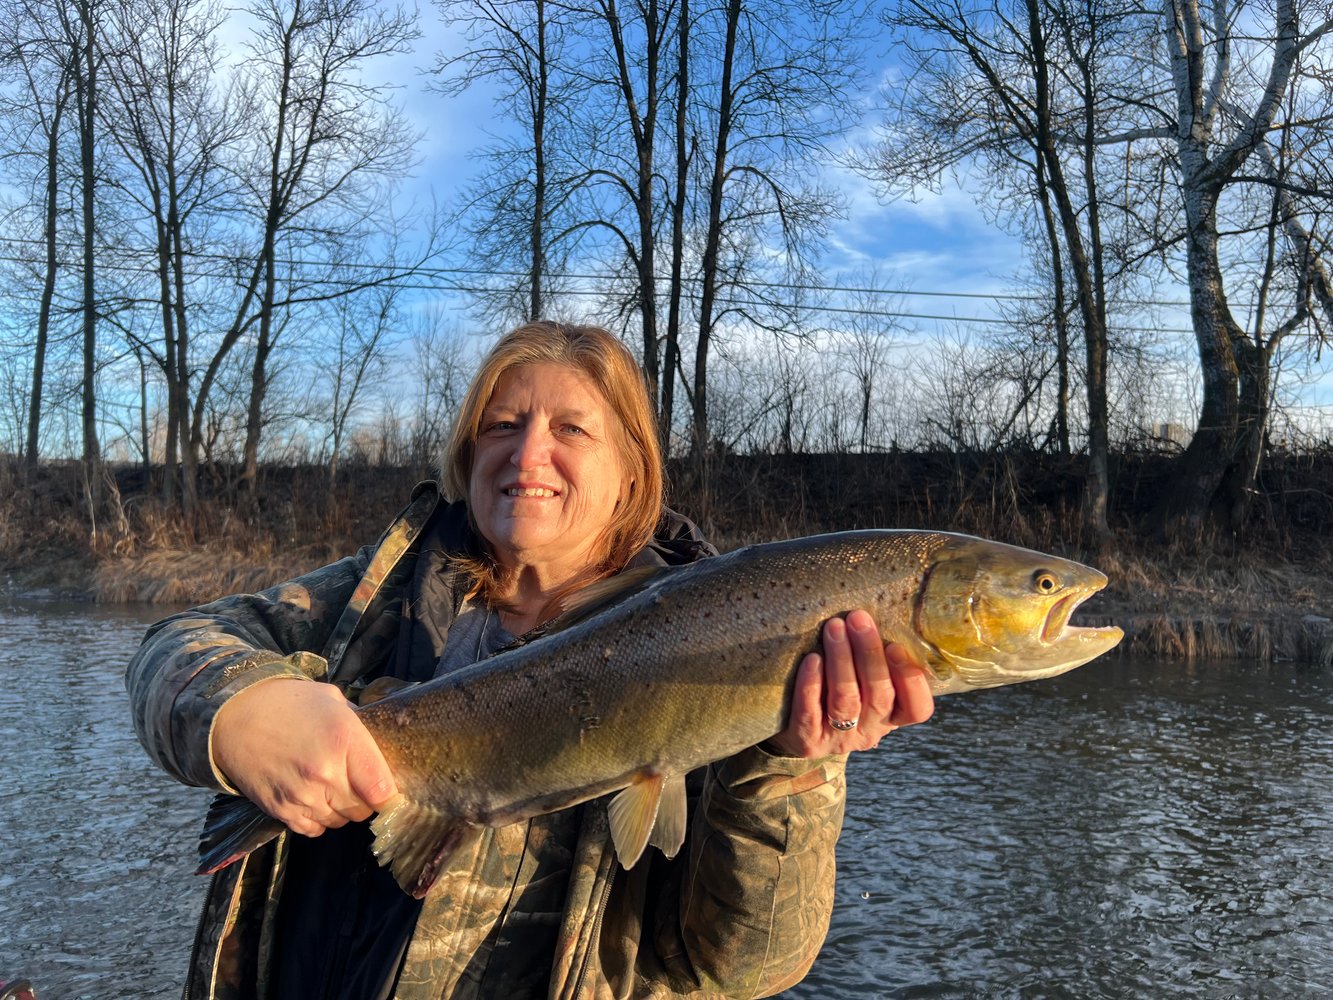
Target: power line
<point>465,272</point>
<point>736,303</point>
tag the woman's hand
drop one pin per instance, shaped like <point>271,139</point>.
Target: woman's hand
<point>297,750</point>
<point>858,679</point>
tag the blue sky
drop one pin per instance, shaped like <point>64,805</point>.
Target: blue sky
<point>939,243</point>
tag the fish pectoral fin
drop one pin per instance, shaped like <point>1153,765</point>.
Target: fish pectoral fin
<point>669,830</point>
<point>416,842</point>
<point>632,813</point>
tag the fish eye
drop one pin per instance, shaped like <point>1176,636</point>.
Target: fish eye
<point>1045,581</point>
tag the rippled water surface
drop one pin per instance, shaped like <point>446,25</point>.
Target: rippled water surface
<point>1132,829</point>
<point>96,895</point>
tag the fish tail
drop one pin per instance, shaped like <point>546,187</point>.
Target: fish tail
<point>416,841</point>
<point>233,828</point>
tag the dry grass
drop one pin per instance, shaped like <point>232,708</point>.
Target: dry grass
<point>1268,599</point>
<point>195,576</point>
<point>1198,604</point>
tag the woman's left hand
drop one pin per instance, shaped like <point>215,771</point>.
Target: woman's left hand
<point>859,680</point>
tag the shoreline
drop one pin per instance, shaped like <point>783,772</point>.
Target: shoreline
<point>1264,595</point>
<point>1277,617</point>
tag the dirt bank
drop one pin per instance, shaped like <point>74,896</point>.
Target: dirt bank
<point>1260,597</point>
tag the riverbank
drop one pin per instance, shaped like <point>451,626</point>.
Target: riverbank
<point>1263,597</point>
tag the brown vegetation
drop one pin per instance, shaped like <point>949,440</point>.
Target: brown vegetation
<point>1261,596</point>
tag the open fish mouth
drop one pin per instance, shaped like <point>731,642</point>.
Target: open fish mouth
<point>1057,619</point>
<point>1057,627</point>
<point>1057,630</point>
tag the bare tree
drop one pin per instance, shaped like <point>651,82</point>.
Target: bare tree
<point>1036,83</point>
<point>630,91</point>
<point>174,133</point>
<point>445,369</point>
<point>222,211</point>
<point>863,342</point>
<point>83,33</point>
<point>365,325</point>
<point>41,64</point>
<point>779,88</point>
<point>1294,292</point>
<point>326,139</point>
<point>1220,119</point>
<point>512,213</point>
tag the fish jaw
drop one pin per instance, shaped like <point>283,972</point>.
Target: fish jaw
<point>1078,646</point>
<point>992,614</point>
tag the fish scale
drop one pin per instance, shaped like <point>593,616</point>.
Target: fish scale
<point>655,676</point>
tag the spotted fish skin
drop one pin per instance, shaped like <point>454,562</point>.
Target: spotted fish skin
<point>656,676</point>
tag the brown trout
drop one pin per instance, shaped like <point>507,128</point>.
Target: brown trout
<point>655,673</point>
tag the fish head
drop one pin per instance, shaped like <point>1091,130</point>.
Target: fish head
<point>990,614</point>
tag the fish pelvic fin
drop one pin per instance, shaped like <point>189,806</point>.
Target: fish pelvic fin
<point>650,810</point>
<point>416,842</point>
<point>669,830</point>
<point>233,828</point>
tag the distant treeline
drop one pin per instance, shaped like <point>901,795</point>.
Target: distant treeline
<point>1028,498</point>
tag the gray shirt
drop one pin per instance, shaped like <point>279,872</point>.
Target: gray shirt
<point>475,634</point>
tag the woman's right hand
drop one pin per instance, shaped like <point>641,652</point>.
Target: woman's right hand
<point>297,750</point>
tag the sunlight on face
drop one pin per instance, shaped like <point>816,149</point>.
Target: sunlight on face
<point>547,474</point>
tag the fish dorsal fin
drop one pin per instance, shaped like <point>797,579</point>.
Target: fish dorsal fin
<point>669,830</point>
<point>589,600</point>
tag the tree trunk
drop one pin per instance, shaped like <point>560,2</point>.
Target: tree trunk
<point>144,438</point>
<point>1188,498</point>
<point>254,417</point>
<point>537,234</point>
<point>1236,490</point>
<point>1059,312</point>
<point>641,116</point>
<point>87,84</point>
<point>1207,165</point>
<point>713,238</point>
<point>1097,492</point>
<point>671,352</point>
<point>32,449</point>
<point>646,141</point>
<point>177,350</point>
<point>1088,292</point>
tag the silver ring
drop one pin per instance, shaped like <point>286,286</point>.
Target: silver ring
<point>842,725</point>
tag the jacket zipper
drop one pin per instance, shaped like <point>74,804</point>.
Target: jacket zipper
<point>596,932</point>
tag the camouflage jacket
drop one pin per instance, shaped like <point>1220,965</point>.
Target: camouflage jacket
<point>741,912</point>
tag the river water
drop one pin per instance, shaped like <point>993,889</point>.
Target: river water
<point>1133,829</point>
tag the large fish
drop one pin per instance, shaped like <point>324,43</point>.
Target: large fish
<point>656,673</point>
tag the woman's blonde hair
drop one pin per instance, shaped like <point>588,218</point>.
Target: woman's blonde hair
<point>600,356</point>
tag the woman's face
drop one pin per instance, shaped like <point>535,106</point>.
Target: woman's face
<point>547,473</point>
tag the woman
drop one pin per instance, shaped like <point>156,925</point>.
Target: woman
<point>556,480</point>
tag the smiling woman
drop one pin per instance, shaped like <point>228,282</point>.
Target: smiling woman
<point>554,482</point>
<point>546,482</point>
<point>564,416</point>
